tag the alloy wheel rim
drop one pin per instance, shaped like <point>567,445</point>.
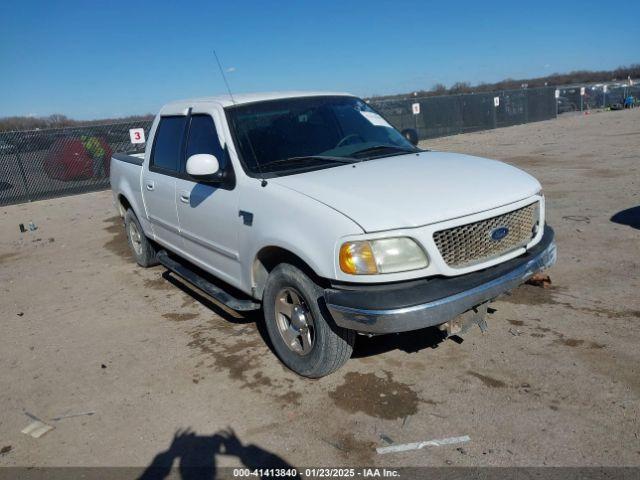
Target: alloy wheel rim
<point>294,321</point>
<point>136,239</point>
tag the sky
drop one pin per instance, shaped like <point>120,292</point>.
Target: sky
<point>98,59</point>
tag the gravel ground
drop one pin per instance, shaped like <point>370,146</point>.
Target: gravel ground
<point>170,375</point>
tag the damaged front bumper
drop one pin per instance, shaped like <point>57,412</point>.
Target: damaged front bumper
<point>428,302</point>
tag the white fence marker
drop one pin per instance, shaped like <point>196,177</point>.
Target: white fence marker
<point>137,135</point>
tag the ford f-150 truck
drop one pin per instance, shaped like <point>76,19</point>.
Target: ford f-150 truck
<point>313,208</point>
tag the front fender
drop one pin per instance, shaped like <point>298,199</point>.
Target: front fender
<point>291,221</point>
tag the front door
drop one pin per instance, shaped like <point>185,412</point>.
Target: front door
<point>208,213</point>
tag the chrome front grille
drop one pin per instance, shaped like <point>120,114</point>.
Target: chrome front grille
<point>470,244</point>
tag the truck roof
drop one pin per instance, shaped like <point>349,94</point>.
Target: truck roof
<point>242,98</point>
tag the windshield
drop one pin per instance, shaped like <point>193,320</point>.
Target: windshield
<point>296,134</point>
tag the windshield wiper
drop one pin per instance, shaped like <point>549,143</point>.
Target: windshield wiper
<point>377,148</point>
<point>307,157</point>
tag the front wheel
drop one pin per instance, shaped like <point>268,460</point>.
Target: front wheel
<point>303,334</point>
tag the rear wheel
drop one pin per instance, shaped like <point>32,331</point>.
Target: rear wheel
<point>143,250</point>
<point>302,332</point>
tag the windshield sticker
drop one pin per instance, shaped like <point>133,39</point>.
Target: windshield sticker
<point>375,119</point>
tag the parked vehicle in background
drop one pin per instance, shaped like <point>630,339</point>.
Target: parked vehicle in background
<point>313,208</point>
<point>629,101</point>
<point>35,141</point>
<point>78,159</point>
<point>565,105</point>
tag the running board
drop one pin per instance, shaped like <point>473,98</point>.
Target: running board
<point>205,285</point>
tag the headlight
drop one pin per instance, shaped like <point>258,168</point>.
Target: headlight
<point>387,255</point>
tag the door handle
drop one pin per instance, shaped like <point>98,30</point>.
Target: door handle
<point>185,197</point>
<point>150,186</point>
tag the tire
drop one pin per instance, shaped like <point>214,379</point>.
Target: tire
<point>331,345</point>
<point>411,135</point>
<point>141,247</point>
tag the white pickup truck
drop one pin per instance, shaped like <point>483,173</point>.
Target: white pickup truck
<point>313,208</point>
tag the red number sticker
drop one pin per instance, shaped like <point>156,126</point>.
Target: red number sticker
<point>137,135</point>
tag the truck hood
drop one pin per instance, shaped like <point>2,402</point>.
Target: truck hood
<point>415,189</point>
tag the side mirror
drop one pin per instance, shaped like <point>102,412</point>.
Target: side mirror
<point>204,168</point>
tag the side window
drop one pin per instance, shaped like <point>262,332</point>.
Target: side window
<point>167,147</point>
<point>203,138</point>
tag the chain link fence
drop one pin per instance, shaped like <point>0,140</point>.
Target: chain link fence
<point>580,98</point>
<point>39,164</point>
<point>438,116</point>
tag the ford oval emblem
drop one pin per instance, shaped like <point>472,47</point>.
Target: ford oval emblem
<point>499,233</point>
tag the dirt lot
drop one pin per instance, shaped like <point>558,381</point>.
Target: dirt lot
<point>555,380</point>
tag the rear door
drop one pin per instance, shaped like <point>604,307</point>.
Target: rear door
<point>159,179</point>
<point>208,213</point>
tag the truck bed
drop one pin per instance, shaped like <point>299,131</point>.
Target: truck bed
<point>126,169</point>
<point>134,158</point>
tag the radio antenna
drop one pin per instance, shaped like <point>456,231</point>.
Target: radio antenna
<point>224,77</point>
